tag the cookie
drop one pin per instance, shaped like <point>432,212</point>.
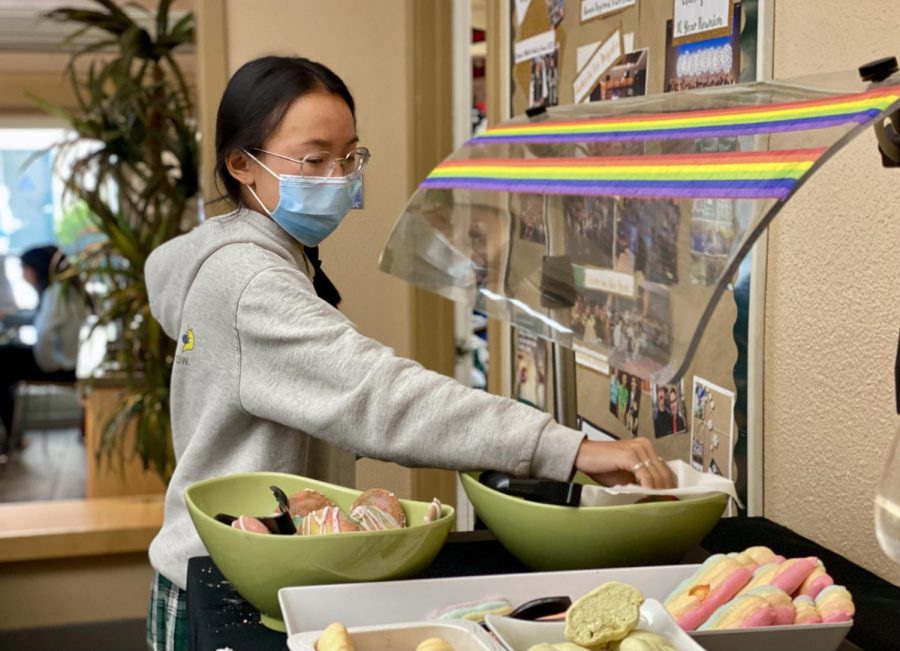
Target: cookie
<point>434,644</point>
<point>643,641</point>
<point>304,502</point>
<point>606,614</point>
<point>327,520</point>
<point>385,502</point>
<point>246,523</point>
<point>335,637</point>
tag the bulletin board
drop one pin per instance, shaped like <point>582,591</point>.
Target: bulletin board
<point>571,51</point>
<point>567,51</point>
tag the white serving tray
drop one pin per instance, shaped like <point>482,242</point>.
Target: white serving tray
<point>312,608</point>
<point>386,602</point>
<point>461,634</point>
<point>520,635</point>
<point>814,637</point>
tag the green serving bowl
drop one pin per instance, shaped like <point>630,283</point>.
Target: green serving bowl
<point>549,537</point>
<point>259,565</point>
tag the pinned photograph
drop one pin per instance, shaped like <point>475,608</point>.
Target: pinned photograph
<point>698,453</point>
<point>530,378</point>
<point>556,11</point>
<point>628,78</point>
<point>531,218</point>
<point>669,415</point>
<point>703,64</point>
<point>590,317</point>
<point>544,80</point>
<point>657,244</point>
<point>625,398</point>
<point>590,223</point>
<point>641,331</point>
<point>712,237</point>
<point>712,424</point>
<point>626,239</point>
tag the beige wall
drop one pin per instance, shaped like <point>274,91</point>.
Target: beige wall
<point>365,43</point>
<point>833,306</point>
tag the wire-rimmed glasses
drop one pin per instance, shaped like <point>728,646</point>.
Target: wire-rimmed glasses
<point>352,165</point>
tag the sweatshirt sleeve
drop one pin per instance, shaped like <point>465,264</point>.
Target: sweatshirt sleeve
<point>45,322</point>
<point>303,365</point>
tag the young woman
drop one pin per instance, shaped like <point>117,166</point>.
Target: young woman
<point>60,314</point>
<point>268,375</point>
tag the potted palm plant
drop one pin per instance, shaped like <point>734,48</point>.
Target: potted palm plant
<point>139,183</point>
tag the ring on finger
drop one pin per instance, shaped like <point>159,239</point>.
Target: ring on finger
<point>638,466</point>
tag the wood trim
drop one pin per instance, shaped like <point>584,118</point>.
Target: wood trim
<point>431,27</point>
<point>212,76</point>
<point>498,101</point>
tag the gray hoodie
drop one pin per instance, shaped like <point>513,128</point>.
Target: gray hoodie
<point>268,376</point>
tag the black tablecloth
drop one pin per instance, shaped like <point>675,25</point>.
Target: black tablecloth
<point>219,618</point>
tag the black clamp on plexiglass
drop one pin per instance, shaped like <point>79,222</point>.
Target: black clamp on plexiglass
<point>536,113</point>
<point>887,130</point>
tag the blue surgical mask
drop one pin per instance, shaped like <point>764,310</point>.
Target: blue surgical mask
<point>310,207</point>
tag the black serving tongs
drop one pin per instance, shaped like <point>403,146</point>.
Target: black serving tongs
<point>280,523</point>
<point>547,491</point>
<point>542,607</point>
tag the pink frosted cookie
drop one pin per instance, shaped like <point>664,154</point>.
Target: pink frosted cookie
<point>779,600</point>
<point>806,612</point>
<point>433,514</point>
<point>371,518</point>
<point>246,523</point>
<point>382,500</point>
<point>329,519</point>
<point>306,501</point>
<point>834,604</point>
<point>763,575</point>
<point>788,575</point>
<point>817,581</point>
<point>753,557</point>
<point>712,585</point>
<point>745,611</point>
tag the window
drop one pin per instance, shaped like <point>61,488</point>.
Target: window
<point>34,210</point>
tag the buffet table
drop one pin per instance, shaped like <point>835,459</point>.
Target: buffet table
<point>218,618</point>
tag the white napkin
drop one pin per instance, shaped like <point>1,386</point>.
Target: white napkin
<point>690,484</point>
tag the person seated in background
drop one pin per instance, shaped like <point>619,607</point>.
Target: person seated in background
<point>61,311</point>
<point>7,300</point>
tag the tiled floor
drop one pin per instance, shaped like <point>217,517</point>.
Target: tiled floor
<point>51,467</point>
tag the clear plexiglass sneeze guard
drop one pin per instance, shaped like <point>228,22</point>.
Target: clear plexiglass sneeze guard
<point>616,226</point>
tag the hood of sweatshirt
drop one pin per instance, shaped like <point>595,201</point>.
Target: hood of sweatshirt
<point>171,268</point>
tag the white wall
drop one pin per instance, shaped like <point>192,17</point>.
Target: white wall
<point>833,305</point>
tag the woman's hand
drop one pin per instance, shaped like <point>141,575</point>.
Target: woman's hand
<point>622,462</point>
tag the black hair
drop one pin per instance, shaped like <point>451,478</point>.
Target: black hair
<point>49,262</point>
<point>40,260</point>
<point>255,101</point>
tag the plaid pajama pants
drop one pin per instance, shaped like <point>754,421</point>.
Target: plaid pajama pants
<point>166,616</point>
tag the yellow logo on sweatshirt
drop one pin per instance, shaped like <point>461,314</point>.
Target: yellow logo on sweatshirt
<point>188,340</point>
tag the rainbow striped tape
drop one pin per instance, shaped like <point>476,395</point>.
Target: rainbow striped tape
<point>770,118</point>
<point>732,175</point>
